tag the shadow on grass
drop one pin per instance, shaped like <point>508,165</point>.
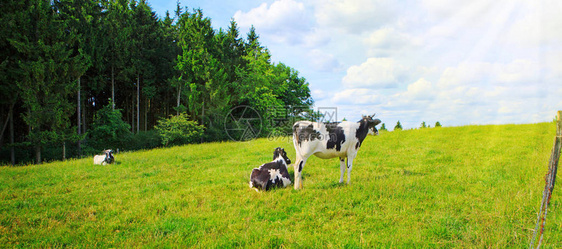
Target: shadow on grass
<point>406,172</point>
<point>331,185</point>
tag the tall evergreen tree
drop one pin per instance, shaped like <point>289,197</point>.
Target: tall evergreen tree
<point>12,19</point>
<point>145,42</point>
<point>85,18</point>
<point>232,50</point>
<point>255,77</point>
<point>63,60</point>
<point>199,65</point>
<point>398,126</point>
<point>119,30</point>
<point>50,71</point>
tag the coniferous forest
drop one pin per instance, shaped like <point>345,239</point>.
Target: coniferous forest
<point>80,76</point>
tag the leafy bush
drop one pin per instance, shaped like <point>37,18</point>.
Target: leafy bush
<point>109,130</point>
<point>144,140</point>
<point>178,130</point>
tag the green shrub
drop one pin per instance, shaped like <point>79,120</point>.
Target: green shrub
<point>109,130</point>
<point>144,140</point>
<point>178,130</point>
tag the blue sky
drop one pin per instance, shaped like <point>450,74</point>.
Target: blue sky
<point>456,62</point>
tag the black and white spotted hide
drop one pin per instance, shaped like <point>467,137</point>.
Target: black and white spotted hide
<point>332,140</point>
<point>273,174</point>
<point>106,158</point>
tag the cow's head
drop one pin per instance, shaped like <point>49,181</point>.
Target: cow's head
<point>109,156</point>
<point>281,152</point>
<point>372,122</point>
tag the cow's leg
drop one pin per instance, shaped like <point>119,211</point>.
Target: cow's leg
<point>349,166</point>
<point>342,168</point>
<point>299,165</point>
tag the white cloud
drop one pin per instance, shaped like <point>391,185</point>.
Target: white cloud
<point>553,64</point>
<point>316,38</point>
<point>376,73</point>
<point>457,62</point>
<point>418,97</point>
<point>454,9</point>
<point>286,20</point>
<point>472,93</point>
<point>390,38</point>
<point>420,90</point>
<point>536,23</point>
<point>319,94</point>
<point>353,16</point>
<point>518,72</point>
<point>357,96</point>
<point>485,92</point>
<point>287,13</point>
<point>322,61</point>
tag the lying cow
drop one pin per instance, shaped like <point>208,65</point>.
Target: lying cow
<point>106,158</point>
<point>272,174</point>
<point>328,141</point>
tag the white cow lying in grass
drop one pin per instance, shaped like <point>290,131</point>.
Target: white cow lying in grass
<point>328,141</point>
<point>106,158</point>
<point>272,174</point>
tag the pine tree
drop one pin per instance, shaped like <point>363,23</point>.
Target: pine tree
<point>85,18</point>
<point>398,126</point>
<point>63,60</point>
<point>145,43</point>
<point>13,21</point>
<point>50,70</point>
<point>254,88</point>
<point>201,70</point>
<point>383,127</point>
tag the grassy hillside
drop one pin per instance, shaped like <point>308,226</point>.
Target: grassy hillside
<point>473,186</point>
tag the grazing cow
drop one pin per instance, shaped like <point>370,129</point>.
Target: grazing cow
<point>328,141</point>
<point>106,158</point>
<point>272,174</point>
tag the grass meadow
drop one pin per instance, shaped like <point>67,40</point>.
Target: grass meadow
<point>450,187</point>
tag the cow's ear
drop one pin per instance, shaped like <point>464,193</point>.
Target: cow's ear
<point>377,121</point>
<point>276,153</point>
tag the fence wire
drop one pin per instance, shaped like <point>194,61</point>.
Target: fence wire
<point>550,179</point>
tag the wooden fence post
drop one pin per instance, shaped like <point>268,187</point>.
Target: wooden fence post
<point>550,179</point>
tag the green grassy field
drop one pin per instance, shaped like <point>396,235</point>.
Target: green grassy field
<point>457,187</point>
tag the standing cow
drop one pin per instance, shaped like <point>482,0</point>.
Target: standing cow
<point>328,141</point>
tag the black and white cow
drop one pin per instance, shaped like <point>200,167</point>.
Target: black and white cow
<point>106,158</point>
<point>272,174</point>
<point>328,141</point>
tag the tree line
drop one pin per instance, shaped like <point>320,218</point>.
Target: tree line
<point>398,126</point>
<point>78,75</point>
